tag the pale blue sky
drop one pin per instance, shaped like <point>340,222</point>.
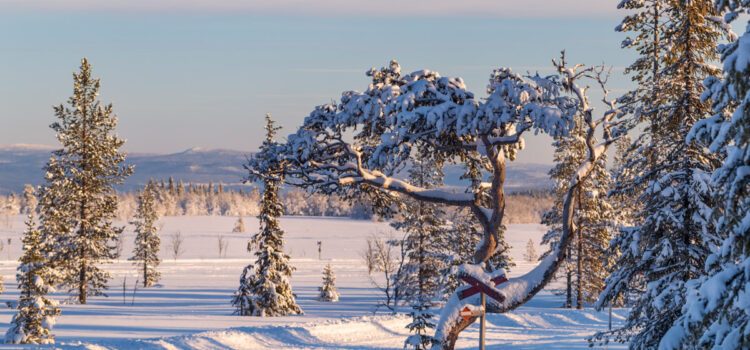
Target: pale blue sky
<point>199,75</point>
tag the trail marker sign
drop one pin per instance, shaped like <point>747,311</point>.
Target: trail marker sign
<point>478,286</point>
<point>468,312</point>
<point>482,288</point>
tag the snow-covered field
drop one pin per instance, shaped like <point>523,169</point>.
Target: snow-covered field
<point>190,308</point>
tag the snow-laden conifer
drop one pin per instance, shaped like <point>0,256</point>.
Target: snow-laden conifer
<point>421,325</point>
<point>78,200</point>
<point>530,255</point>
<point>32,323</point>
<point>593,216</point>
<point>28,200</point>
<point>360,144</point>
<point>716,313</point>
<point>421,223</point>
<point>239,226</point>
<point>328,291</point>
<point>673,234</point>
<point>264,286</point>
<point>147,241</point>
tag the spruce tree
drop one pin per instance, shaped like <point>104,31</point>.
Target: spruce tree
<point>421,223</point>
<point>28,199</point>
<point>673,234</point>
<point>715,314</point>
<point>147,241</point>
<point>455,246</point>
<point>593,216</point>
<point>421,325</point>
<point>264,286</point>
<point>239,226</point>
<point>78,201</point>
<point>33,322</point>
<point>530,255</point>
<point>328,291</point>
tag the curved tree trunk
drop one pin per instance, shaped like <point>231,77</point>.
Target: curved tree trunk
<point>517,291</point>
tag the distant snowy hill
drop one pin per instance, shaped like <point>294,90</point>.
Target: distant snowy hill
<point>22,164</point>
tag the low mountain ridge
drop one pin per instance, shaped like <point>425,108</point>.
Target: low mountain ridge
<point>23,164</point>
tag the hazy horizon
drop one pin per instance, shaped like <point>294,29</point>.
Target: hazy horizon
<point>193,77</point>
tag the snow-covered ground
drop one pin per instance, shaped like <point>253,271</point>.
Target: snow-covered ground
<point>190,308</point>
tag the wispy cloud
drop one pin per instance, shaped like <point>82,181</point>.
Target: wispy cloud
<point>293,95</point>
<point>328,70</point>
<point>356,8</point>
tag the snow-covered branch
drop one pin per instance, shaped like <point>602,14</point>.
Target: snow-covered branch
<point>519,290</point>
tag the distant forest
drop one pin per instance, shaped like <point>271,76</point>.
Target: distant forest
<point>173,198</point>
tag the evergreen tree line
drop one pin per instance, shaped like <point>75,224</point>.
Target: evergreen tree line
<point>173,198</point>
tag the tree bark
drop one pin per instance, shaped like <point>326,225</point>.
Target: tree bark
<point>579,258</point>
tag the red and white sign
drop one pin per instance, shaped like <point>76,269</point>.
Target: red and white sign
<point>468,312</point>
<point>478,286</point>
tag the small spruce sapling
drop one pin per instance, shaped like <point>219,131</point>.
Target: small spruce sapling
<point>147,240</point>
<point>328,292</point>
<point>239,226</point>
<point>420,325</point>
<point>36,312</point>
<point>530,255</point>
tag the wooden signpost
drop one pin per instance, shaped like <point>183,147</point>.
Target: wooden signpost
<point>480,287</point>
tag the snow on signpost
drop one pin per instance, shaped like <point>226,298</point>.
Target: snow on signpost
<point>470,311</point>
<point>480,282</point>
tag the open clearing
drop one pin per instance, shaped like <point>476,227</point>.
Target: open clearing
<point>190,308</point>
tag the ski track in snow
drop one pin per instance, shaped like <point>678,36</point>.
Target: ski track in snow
<point>190,308</point>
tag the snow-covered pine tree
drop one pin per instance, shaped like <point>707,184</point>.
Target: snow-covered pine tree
<point>28,199</point>
<point>422,224</point>
<point>33,322</point>
<point>147,241</point>
<point>636,159</point>
<point>421,324</point>
<point>455,245</point>
<point>239,226</point>
<point>647,24</point>
<point>593,216</point>
<point>530,255</point>
<point>625,206</point>
<point>568,154</point>
<point>78,201</point>
<point>358,145</point>
<point>264,286</point>
<point>328,292</point>
<point>674,234</point>
<point>715,314</point>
